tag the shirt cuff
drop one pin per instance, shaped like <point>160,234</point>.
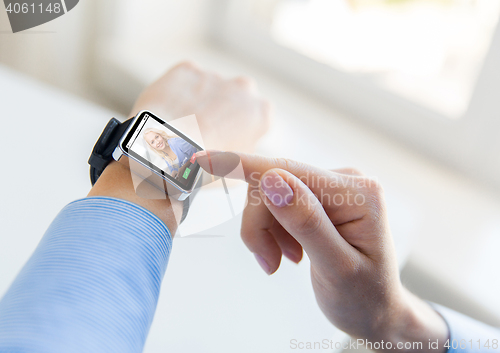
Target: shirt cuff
<point>467,334</point>
<point>92,284</point>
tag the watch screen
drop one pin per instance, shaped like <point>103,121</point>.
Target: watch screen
<point>163,149</point>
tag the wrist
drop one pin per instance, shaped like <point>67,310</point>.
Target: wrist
<point>116,181</point>
<point>412,325</point>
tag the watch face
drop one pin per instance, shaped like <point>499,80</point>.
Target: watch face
<point>164,149</point>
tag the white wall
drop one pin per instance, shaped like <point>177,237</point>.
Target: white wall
<point>161,23</point>
<point>55,52</point>
<point>62,52</point>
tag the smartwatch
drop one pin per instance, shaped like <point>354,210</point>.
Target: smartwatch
<point>158,153</point>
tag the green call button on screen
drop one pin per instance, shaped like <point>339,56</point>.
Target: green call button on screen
<point>186,173</point>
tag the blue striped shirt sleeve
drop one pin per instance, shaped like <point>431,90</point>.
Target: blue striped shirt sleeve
<point>468,335</point>
<point>91,285</point>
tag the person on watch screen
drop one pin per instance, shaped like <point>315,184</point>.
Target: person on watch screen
<point>174,150</point>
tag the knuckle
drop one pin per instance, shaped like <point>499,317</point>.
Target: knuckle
<point>287,164</point>
<point>354,171</point>
<point>188,65</point>
<point>245,82</point>
<point>311,223</point>
<point>299,169</point>
<point>348,170</point>
<point>213,76</point>
<point>372,187</point>
<point>375,198</point>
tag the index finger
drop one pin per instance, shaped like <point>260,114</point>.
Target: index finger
<point>225,164</point>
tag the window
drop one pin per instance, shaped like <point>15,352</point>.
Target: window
<point>427,51</point>
<point>422,70</point>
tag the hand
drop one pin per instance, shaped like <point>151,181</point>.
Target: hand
<point>230,113</point>
<point>339,218</point>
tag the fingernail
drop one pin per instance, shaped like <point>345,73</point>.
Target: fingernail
<point>263,264</point>
<point>276,189</point>
<point>201,154</point>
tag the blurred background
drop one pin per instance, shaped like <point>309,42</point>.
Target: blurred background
<point>405,90</point>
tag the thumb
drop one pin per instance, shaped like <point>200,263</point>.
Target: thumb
<point>301,214</point>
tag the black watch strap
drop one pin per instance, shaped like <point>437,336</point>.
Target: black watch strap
<point>102,154</point>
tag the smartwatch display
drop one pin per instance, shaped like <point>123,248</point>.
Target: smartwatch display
<point>159,153</point>
<point>163,149</point>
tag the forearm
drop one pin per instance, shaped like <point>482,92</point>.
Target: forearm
<point>92,284</point>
